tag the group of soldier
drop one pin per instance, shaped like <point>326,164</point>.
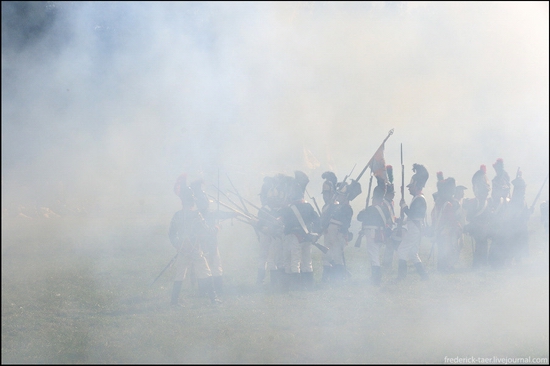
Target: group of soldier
<point>288,227</point>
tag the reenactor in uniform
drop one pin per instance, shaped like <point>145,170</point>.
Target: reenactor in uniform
<point>478,215</point>
<point>329,196</point>
<point>373,221</point>
<point>499,252</point>
<point>389,211</point>
<point>518,215</point>
<point>301,223</point>
<point>458,199</point>
<point>188,232</point>
<point>210,242</point>
<point>445,224</point>
<point>270,233</point>
<point>336,220</point>
<point>414,222</point>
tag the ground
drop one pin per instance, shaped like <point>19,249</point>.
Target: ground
<point>78,290</point>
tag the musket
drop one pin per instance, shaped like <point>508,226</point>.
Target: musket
<point>315,202</point>
<point>361,232</point>
<point>241,211</point>
<point>242,203</point>
<point>372,158</point>
<point>347,176</point>
<point>237,192</point>
<point>538,195</point>
<point>249,217</point>
<point>165,268</point>
<point>399,228</point>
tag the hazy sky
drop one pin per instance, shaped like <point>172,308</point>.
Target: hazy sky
<point>114,100</point>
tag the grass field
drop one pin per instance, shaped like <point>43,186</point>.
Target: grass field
<point>77,290</point>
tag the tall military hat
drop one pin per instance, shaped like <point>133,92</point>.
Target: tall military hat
<point>329,185</point>
<point>390,189</point>
<point>480,182</point>
<point>298,186</point>
<point>380,190</point>
<point>519,186</point>
<point>501,182</point>
<point>183,191</point>
<point>448,188</point>
<point>519,182</point>
<point>420,177</point>
<point>201,199</point>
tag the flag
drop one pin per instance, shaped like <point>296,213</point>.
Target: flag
<point>378,164</point>
<point>310,160</point>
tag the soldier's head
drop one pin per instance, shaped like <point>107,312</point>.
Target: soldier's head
<point>342,193</point>
<point>329,186</point>
<point>379,191</point>
<point>501,182</point>
<point>201,199</point>
<point>418,180</point>
<point>519,187</point>
<point>459,192</point>
<point>184,192</point>
<point>480,183</point>
<point>187,197</point>
<point>446,189</point>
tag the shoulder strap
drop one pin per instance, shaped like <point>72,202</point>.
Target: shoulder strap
<point>299,217</point>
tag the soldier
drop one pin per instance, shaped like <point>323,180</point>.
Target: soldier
<point>337,220</point>
<point>329,196</point>
<point>300,222</point>
<point>329,188</point>
<point>188,231</point>
<point>373,221</point>
<point>210,242</point>
<point>458,199</point>
<point>270,232</point>
<point>445,223</point>
<point>518,215</point>
<point>478,215</point>
<point>415,221</point>
<point>499,251</point>
<point>389,212</point>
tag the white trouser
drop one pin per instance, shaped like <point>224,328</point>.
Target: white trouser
<point>297,255</point>
<point>271,252</point>
<point>214,261</point>
<point>335,241</point>
<point>373,248</point>
<point>410,244</point>
<point>191,257</point>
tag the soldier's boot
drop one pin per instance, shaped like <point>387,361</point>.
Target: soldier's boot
<point>260,276</point>
<point>376,275</point>
<point>218,284</point>
<point>421,271</point>
<point>326,274</point>
<point>176,288</point>
<point>308,281</point>
<point>206,286</point>
<point>274,280</point>
<point>402,270</point>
